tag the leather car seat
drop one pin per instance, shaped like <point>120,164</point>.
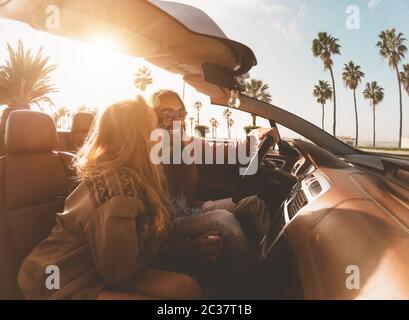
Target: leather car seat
<point>81,124</point>
<point>34,182</point>
<point>3,121</point>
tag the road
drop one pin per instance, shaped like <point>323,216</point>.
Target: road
<point>399,153</point>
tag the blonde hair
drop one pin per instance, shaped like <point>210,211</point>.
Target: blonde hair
<point>120,138</point>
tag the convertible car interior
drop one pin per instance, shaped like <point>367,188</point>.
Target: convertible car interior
<point>340,225</point>
<point>73,139</point>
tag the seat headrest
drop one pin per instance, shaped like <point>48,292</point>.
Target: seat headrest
<point>30,132</point>
<point>82,122</point>
<point>5,116</point>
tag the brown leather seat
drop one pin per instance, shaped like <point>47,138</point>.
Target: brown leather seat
<point>81,124</point>
<point>34,182</point>
<point>3,121</point>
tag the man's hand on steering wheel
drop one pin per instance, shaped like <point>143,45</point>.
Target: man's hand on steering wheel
<point>261,133</point>
<point>265,138</point>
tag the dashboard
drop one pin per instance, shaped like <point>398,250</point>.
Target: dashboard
<point>310,186</point>
<point>340,216</point>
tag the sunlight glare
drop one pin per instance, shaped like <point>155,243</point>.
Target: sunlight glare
<point>106,45</point>
<point>101,52</point>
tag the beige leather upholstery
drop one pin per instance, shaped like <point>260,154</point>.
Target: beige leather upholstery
<point>21,137</point>
<point>81,124</point>
<point>64,140</point>
<point>3,122</point>
<point>34,181</point>
<point>358,230</point>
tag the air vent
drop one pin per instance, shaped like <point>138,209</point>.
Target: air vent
<point>296,204</point>
<point>294,170</point>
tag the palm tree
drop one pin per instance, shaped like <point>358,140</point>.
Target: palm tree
<point>404,78</point>
<point>214,124</point>
<point>25,78</point>
<point>84,108</point>
<point>59,115</point>
<point>230,123</point>
<point>259,90</point>
<point>227,115</point>
<point>197,106</point>
<point>375,94</point>
<point>392,47</point>
<point>322,92</point>
<point>352,77</point>
<point>191,119</point>
<point>324,47</point>
<point>143,78</point>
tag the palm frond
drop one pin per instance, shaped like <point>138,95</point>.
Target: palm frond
<point>26,79</point>
<point>257,89</point>
<point>392,46</point>
<point>198,105</point>
<point>352,75</point>
<point>143,78</point>
<point>325,46</point>
<point>323,92</point>
<point>374,93</point>
<point>404,78</point>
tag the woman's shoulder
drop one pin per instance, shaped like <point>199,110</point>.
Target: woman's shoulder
<point>112,184</point>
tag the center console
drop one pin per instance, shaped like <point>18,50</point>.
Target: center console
<point>304,192</point>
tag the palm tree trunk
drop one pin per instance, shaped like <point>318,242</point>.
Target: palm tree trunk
<point>335,102</point>
<point>400,107</point>
<point>356,119</point>
<point>374,126</point>
<point>323,117</point>
<point>254,119</point>
<point>198,120</point>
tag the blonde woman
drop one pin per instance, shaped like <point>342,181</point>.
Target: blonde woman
<point>113,223</point>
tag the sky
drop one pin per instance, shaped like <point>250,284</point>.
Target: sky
<point>279,32</point>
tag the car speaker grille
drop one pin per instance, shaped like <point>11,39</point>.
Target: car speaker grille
<point>297,203</point>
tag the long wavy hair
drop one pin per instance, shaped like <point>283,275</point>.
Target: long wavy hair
<point>120,138</point>
<point>181,178</point>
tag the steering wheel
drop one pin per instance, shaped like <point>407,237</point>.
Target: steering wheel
<point>258,157</point>
<point>286,180</point>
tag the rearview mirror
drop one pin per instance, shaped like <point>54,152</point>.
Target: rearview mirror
<point>219,75</point>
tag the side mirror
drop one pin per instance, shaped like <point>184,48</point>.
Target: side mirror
<point>219,75</point>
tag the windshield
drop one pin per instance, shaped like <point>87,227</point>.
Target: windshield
<point>288,39</point>
<point>282,33</point>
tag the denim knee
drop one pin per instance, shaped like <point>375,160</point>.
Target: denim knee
<point>226,222</point>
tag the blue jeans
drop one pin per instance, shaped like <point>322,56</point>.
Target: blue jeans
<point>240,225</point>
